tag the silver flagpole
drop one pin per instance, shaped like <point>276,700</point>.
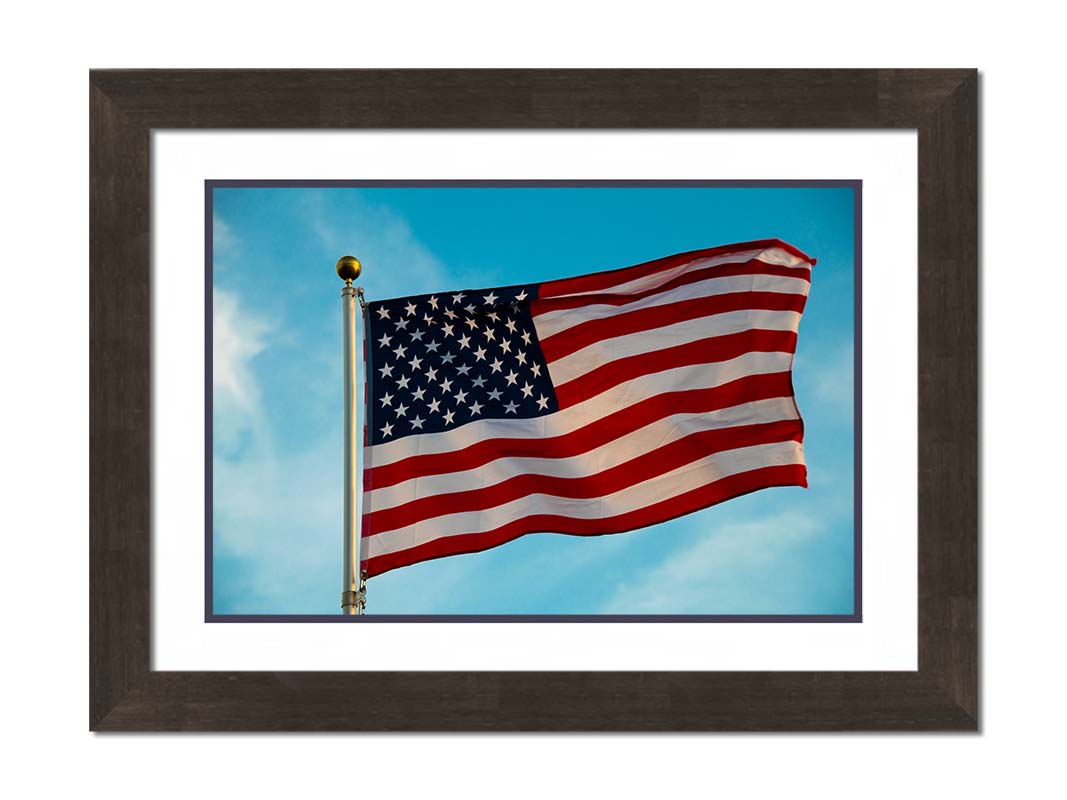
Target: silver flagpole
<point>353,595</point>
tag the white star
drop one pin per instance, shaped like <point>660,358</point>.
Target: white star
<point>521,356</point>
<point>461,396</point>
<point>471,323</point>
<point>387,371</point>
<point>527,390</point>
<point>416,336</point>
<point>476,408</point>
<point>525,337</point>
<point>495,394</point>
<point>419,393</point>
<point>402,324</point>
<point>490,299</point>
<point>447,358</point>
<point>431,374</point>
<point>448,417</point>
<point>456,298</point>
<point>432,347</point>
<point>401,410</point>
<point>446,385</point>
<point>383,312</point>
<point>511,376</point>
<point>427,319</point>
<point>536,369</point>
<point>417,422</point>
<point>505,345</point>
<point>450,313</point>
<point>415,363</point>
<point>480,354</point>
<point>542,402</point>
<point>403,382</point>
<point>399,350</point>
<point>510,325</point>
<point>433,303</point>
<point>464,341</point>
<point>384,341</point>
<point>387,399</point>
<point>410,308</point>
<point>464,369</point>
<point>511,408</point>
<point>448,330</point>
<point>489,333</point>
<point>496,364</point>
<point>387,429</point>
<point>479,381</point>
<point>469,308</point>
<point>435,406</point>
<point>495,317</point>
<point>521,296</point>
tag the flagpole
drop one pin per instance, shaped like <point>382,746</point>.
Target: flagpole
<point>353,595</point>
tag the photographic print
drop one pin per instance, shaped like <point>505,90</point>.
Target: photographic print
<point>534,400</point>
<point>235,397</point>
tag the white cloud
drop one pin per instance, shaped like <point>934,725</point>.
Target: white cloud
<point>395,261</point>
<point>277,505</point>
<point>276,514</point>
<point>828,382</point>
<point>222,236</point>
<point>715,571</point>
<point>237,338</point>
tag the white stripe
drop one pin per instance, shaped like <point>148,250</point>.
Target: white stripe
<point>699,376</point>
<point>662,487</point>
<point>553,322</point>
<point>653,436</point>
<point>666,337</point>
<point>633,285</point>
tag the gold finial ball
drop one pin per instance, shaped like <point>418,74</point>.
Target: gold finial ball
<point>348,268</point>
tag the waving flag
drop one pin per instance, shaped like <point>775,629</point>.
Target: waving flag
<point>589,405</point>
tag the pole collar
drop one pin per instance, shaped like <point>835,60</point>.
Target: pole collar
<point>358,600</point>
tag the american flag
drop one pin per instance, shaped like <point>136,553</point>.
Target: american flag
<point>588,405</point>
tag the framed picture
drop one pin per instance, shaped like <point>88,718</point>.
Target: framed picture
<point>727,317</point>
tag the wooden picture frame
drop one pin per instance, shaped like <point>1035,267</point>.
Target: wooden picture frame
<point>127,695</point>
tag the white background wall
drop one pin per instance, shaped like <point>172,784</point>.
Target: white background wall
<point>47,50</point>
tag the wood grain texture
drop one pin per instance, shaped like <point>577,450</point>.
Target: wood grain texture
<point>119,403</point>
<point>125,694</point>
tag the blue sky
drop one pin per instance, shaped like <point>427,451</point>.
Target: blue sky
<point>278,423</point>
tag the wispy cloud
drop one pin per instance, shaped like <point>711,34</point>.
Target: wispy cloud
<point>276,510</point>
<point>394,258</point>
<point>238,336</point>
<point>277,504</point>
<point>730,569</point>
<point>828,381</point>
<point>223,240</point>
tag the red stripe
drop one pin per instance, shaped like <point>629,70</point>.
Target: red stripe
<point>581,440</point>
<point>600,484</point>
<point>694,500</point>
<point>702,351</point>
<point>592,331</point>
<point>752,267</point>
<point>602,280</point>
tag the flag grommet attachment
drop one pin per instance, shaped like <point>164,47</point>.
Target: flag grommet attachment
<point>354,600</point>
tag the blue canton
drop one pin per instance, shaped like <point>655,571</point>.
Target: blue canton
<point>436,362</point>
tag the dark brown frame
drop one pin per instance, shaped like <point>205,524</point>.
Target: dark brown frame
<point>126,694</point>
